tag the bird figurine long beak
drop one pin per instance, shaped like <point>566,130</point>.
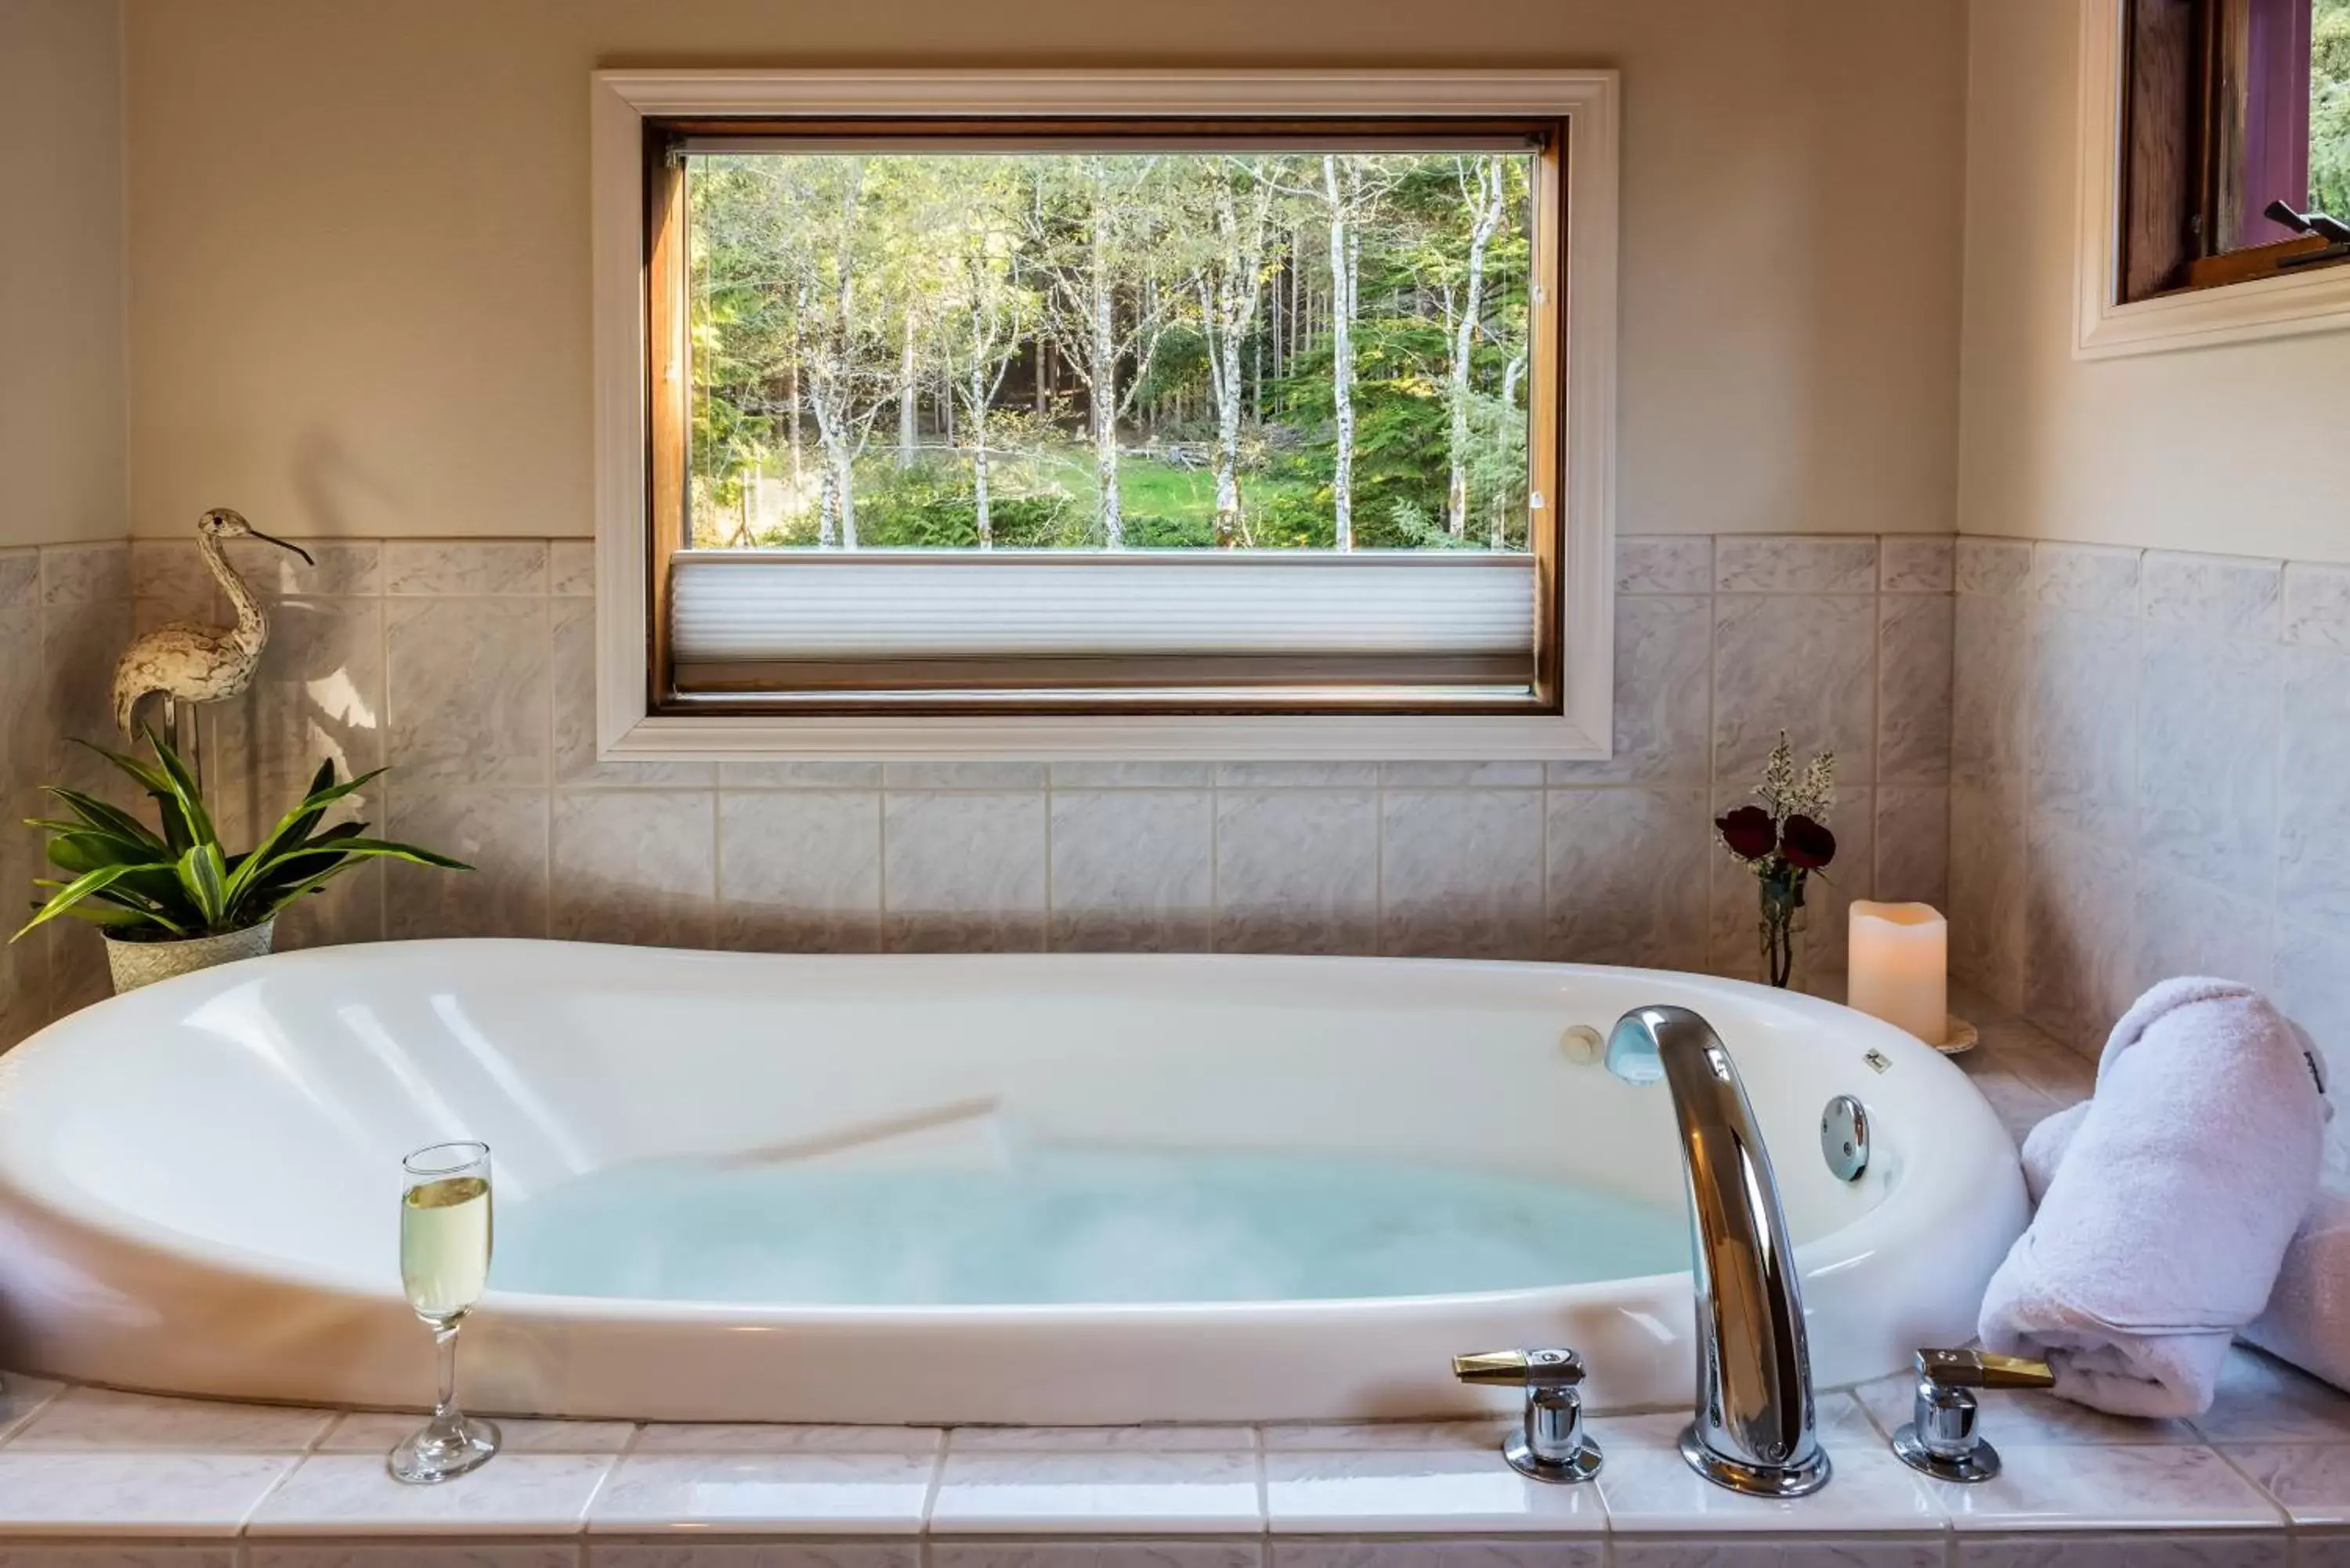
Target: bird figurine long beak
<point>189,662</point>
<point>284,545</point>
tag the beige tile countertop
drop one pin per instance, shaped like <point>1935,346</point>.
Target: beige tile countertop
<point>92,1478</point>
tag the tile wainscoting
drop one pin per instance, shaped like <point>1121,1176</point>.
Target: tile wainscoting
<point>65,616</point>
<point>2151,777</point>
<point>467,668</point>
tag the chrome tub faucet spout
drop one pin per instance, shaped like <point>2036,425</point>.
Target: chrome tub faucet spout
<point>1753,1431</point>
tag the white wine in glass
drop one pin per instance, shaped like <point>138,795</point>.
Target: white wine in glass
<point>444,1264</point>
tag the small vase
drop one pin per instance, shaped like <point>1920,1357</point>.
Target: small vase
<point>135,964</point>
<point>1781,921</point>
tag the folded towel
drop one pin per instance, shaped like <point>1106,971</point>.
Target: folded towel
<point>2044,1147</point>
<point>2166,1202</point>
<point>2308,1318</point>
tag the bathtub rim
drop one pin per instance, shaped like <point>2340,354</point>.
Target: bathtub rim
<point>83,1212</point>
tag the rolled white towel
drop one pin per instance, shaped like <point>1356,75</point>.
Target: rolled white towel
<point>2044,1147</point>
<point>2166,1202</point>
<point>2308,1318</point>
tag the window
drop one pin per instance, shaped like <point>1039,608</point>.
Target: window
<point>1187,413</point>
<point>2236,142</point>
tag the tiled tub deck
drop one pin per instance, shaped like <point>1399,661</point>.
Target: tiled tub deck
<point>95,1479</point>
<point>92,1478</point>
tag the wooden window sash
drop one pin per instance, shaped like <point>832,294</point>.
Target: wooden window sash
<point>2212,88</point>
<point>668,391</point>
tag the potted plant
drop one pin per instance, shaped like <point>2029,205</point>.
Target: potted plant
<point>174,901</point>
<point>1782,840</point>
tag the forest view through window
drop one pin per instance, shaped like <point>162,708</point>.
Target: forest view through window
<point>1170,348</point>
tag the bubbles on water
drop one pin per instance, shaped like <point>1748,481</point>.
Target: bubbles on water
<point>1060,1225</point>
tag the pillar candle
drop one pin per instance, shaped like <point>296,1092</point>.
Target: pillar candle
<point>1900,967</point>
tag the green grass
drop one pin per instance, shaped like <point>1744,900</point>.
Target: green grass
<point>1047,498</point>
<point>1151,487</point>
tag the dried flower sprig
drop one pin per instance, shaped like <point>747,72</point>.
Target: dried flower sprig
<point>1778,785</point>
<point>1785,793</point>
<point>1815,791</point>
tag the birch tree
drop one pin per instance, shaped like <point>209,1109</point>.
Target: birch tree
<point>1498,538</point>
<point>988,311</point>
<point>909,388</point>
<point>1109,258</point>
<point>1228,284</point>
<point>1350,192</point>
<point>1346,274</point>
<point>793,401</point>
<point>847,389</point>
<point>790,237</point>
<point>1482,196</point>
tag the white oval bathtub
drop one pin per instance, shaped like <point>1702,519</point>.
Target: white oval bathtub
<point>198,1181</point>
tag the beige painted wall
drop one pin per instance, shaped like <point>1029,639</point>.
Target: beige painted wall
<point>61,383</point>
<point>2192,451</point>
<point>360,273</point>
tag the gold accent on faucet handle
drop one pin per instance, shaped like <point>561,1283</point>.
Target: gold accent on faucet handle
<point>1983,1369</point>
<point>1520,1369</point>
<point>1500,1367</point>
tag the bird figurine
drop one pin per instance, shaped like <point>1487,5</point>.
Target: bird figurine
<point>187,661</point>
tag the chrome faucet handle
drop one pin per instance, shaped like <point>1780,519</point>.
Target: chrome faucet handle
<point>1941,1439</point>
<point>1551,1444</point>
<point>1520,1369</point>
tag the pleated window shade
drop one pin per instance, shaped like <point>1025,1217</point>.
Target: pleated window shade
<point>906,623</point>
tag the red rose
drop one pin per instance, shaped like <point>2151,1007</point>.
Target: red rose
<point>1748,831</point>
<point>1806,844</point>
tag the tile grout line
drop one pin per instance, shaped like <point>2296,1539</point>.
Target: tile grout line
<point>604,1480</point>
<point>1263,1478</point>
<point>309,1450</point>
<point>930,1490</point>
<point>716,796</point>
<point>2025,716</point>
<point>2280,653</point>
<point>554,797</point>
<point>2133,825</point>
<point>1380,858</point>
<point>383,657</point>
<point>1876,728</point>
<point>1717,962</point>
<point>1544,942</point>
<point>277,1483</point>
<point>881,915</point>
<point>1215,862</point>
<point>18,1426</point>
<point>2284,1521</point>
<point>52,990</point>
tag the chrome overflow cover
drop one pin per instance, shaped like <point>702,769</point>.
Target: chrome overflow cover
<point>1844,1138</point>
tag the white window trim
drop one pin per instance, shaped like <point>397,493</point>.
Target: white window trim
<point>2317,300</point>
<point>621,101</point>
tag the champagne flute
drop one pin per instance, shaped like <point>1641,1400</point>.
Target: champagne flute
<point>444,1262</point>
